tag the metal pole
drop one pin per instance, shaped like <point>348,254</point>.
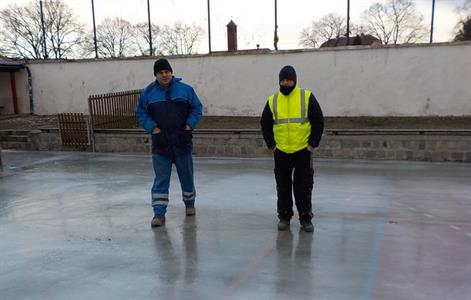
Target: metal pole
<point>90,124</point>
<point>275,39</point>
<point>431,25</point>
<point>150,29</point>
<point>43,28</point>
<point>348,22</point>
<point>30,91</point>
<point>209,28</point>
<point>94,30</point>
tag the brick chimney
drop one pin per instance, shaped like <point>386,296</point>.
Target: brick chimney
<point>231,37</point>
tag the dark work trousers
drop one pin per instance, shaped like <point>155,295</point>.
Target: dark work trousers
<point>302,183</point>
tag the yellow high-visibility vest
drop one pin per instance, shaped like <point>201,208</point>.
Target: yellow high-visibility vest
<point>291,126</point>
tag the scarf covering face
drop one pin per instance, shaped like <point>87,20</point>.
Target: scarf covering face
<point>287,72</point>
<point>286,90</point>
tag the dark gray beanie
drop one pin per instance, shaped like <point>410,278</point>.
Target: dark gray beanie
<point>287,72</point>
<point>162,64</point>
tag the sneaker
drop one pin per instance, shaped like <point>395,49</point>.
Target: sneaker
<point>283,224</point>
<point>190,210</point>
<point>157,220</point>
<point>307,226</point>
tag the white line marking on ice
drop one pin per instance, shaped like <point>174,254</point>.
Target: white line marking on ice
<point>428,216</point>
<point>455,227</point>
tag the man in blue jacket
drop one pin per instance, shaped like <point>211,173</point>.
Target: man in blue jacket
<point>169,110</point>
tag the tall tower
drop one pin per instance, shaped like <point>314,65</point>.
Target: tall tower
<point>231,37</point>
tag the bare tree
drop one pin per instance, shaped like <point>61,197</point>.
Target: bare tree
<point>114,38</point>
<point>464,33</point>
<point>63,31</point>
<point>396,21</point>
<point>328,27</point>
<point>118,38</point>
<point>23,35</point>
<point>464,10</point>
<point>21,32</point>
<point>462,28</point>
<point>180,39</point>
<point>141,38</point>
<point>467,6</point>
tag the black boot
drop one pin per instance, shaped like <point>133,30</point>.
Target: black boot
<point>190,210</point>
<point>157,221</point>
<point>283,224</point>
<point>307,226</point>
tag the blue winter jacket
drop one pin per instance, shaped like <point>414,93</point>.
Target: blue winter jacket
<point>169,109</point>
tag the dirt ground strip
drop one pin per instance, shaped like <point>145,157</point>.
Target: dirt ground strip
<point>234,122</point>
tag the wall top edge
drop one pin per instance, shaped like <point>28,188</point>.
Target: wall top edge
<point>250,52</point>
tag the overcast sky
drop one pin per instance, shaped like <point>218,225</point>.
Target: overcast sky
<point>254,18</point>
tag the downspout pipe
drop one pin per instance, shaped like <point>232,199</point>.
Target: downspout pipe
<point>30,90</point>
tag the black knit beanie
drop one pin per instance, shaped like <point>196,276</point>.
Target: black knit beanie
<point>287,72</point>
<point>162,64</point>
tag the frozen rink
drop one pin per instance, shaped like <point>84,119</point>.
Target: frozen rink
<point>77,226</point>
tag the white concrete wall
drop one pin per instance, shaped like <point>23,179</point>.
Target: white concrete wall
<point>420,80</point>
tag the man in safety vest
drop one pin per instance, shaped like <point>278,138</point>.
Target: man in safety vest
<point>292,126</point>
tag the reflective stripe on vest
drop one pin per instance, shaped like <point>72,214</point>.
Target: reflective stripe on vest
<point>303,119</point>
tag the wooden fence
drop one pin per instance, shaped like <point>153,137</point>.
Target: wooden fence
<point>114,110</point>
<point>73,130</point>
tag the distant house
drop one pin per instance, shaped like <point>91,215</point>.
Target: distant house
<point>363,39</point>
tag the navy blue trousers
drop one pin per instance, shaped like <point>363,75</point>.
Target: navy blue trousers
<point>163,170</point>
